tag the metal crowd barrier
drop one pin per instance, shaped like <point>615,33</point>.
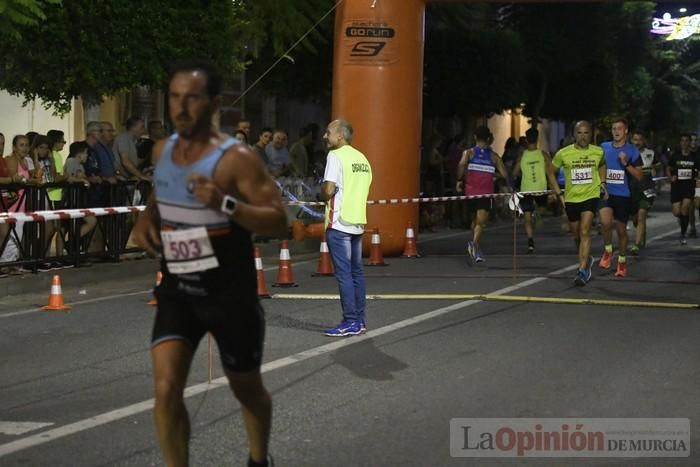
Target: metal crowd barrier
<point>34,246</point>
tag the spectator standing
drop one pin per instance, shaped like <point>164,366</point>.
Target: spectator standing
<point>244,126</point>
<point>299,154</point>
<point>74,170</point>
<point>56,143</point>
<point>241,136</point>
<point>278,154</point>
<point>126,151</point>
<point>264,139</point>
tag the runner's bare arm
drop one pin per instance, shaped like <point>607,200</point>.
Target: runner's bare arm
<point>603,174</point>
<point>241,174</point>
<point>551,172</point>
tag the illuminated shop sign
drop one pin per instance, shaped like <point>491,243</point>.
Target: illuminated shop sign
<point>676,28</point>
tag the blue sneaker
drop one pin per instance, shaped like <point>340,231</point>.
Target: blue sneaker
<point>580,278</point>
<point>479,258</point>
<point>589,268</point>
<point>345,328</point>
<point>363,326</point>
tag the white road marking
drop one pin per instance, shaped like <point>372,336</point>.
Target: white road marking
<point>20,428</point>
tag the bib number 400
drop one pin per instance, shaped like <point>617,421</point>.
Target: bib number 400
<point>184,249</point>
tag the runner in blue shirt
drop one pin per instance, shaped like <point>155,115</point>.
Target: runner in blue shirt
<point>622,161</point>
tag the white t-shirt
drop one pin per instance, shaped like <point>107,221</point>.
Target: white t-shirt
<point>334,173</point>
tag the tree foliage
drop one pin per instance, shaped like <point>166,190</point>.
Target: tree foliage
<point>18,13</point>
<point>96,48</point>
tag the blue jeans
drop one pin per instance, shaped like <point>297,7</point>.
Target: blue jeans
<point>346,253</point>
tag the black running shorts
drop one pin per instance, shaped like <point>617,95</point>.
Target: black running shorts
<point>682,189</point>
<point>574,210</point>
<point>530,203</point>
<point>620,205</point>
<point>236,322</point>
<point>476,204</point>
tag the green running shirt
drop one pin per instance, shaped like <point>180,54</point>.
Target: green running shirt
<point>581,171</point>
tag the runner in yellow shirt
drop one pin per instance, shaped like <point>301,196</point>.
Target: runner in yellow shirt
<point>584,168</point>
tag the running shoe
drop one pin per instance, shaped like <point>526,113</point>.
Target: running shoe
<point>621,270</point>
<point>580,278</point>
<point>589,268</point>
<point>345,328</point>
<point>634,251</point>
<point>363,326</point>
<point>479,258</point>
<point>530,246</point>
<point>605,260</point>
<point>683,240</point>
<point>470,250</point>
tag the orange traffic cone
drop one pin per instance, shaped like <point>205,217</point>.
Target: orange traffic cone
<point>325,268</point>
<point>159,277</point>
<point>285,276</point>
<point>410,250</point>
<point>376,257</point>
<point>56,297</point>
<point>262,288</point>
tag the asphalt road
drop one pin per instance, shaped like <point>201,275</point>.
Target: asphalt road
<point>384,399</point>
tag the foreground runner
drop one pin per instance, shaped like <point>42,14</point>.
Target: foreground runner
<point>622,160</point>
<point>682,172</point>
<point>643,191</point>
<point>475,174</point>
<point>536,169</point>
<point>211,193</point>
<point>584,168</point>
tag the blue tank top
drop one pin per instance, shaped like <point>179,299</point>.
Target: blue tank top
<point>617,176</point>
<point>179,209</point>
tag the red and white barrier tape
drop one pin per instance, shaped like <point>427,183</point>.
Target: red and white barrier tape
<point>42,216</point>
<point>424,200</point>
